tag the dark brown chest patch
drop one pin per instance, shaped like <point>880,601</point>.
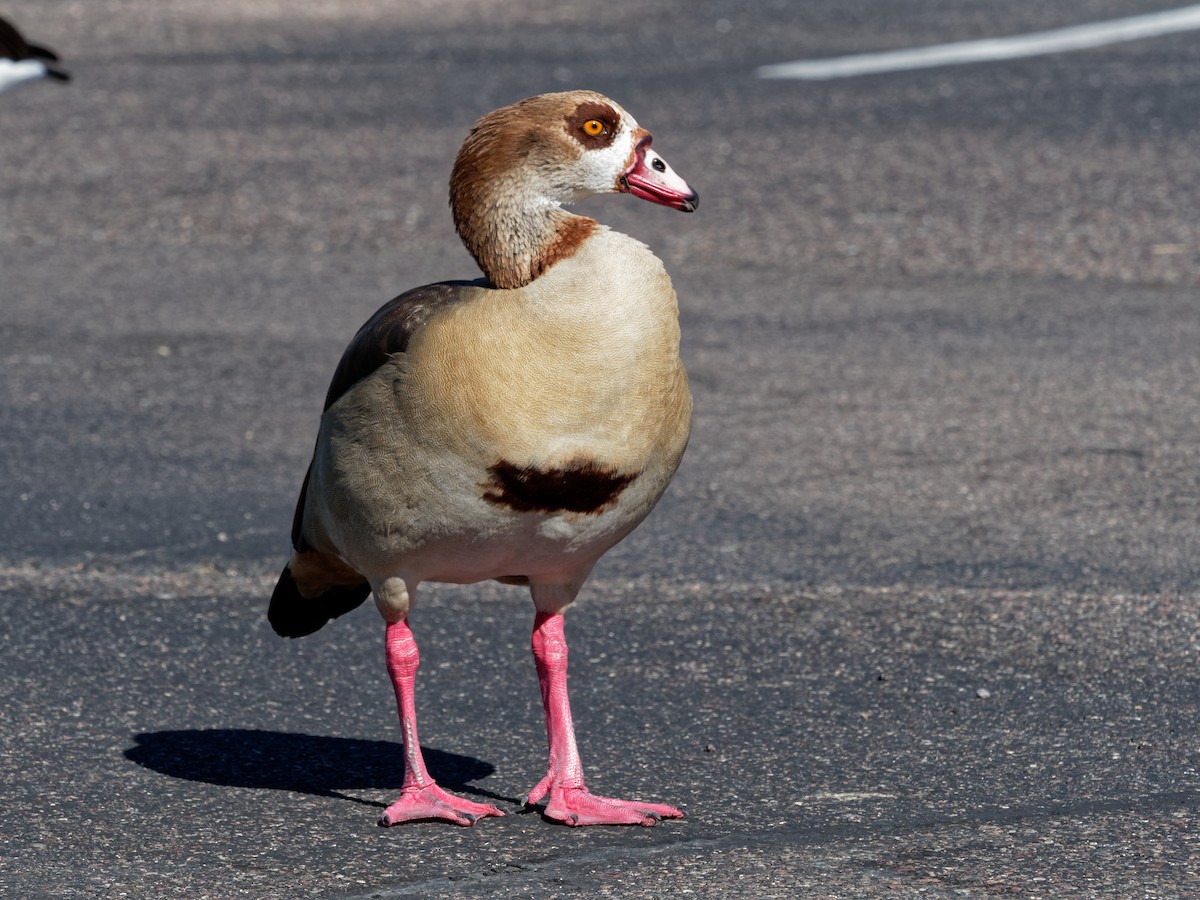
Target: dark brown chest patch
<point>578,487</point>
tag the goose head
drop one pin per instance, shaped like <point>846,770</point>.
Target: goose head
<point>522,163</point>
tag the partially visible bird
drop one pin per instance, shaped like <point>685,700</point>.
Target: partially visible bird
<point>21,61</point>
<point>514,428</point>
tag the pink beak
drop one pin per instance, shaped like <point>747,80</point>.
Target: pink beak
<point>652,179</point>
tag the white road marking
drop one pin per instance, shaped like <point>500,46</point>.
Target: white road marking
<point>1079,37</point>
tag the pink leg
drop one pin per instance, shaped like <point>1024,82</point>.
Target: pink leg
<point>421,797</point>
<point>570,802</point>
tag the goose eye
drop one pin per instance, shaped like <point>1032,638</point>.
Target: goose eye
<point>593,127</point>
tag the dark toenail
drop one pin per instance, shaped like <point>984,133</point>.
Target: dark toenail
<point>471,818</point>
<point>574,819</point>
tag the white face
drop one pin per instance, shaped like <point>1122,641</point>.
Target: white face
<point>555,149</point>
<point>598,140</point>
<point>610,154</point>
<point>600,168</point>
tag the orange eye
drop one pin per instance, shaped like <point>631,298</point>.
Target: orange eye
<point>593,127</point>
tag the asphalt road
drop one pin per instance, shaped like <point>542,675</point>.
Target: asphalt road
<point>918,615</point>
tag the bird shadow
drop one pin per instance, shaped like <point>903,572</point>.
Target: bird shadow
<point>304,763</point>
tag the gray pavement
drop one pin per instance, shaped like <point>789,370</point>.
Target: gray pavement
<point>917,617</point>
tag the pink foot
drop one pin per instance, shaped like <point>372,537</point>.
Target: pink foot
<point>570,802</point>
<point>421,797</point>
<point>431,802</point>
<point>578,806</point>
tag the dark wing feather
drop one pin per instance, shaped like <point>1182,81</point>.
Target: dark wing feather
<point>12,44</point>
<point>383,336</point>
<point>341,589</point>
<point>388,332</point>
<point>37,51</point>
<point>293,615</point>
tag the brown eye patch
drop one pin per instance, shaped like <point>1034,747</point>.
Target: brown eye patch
<point>593,124</point>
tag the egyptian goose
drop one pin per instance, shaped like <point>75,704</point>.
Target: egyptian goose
<point>511,428</point>
<point>21,61</point>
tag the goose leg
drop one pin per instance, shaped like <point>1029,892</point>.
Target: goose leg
<point>421,797</point>
<point>570,801</point>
